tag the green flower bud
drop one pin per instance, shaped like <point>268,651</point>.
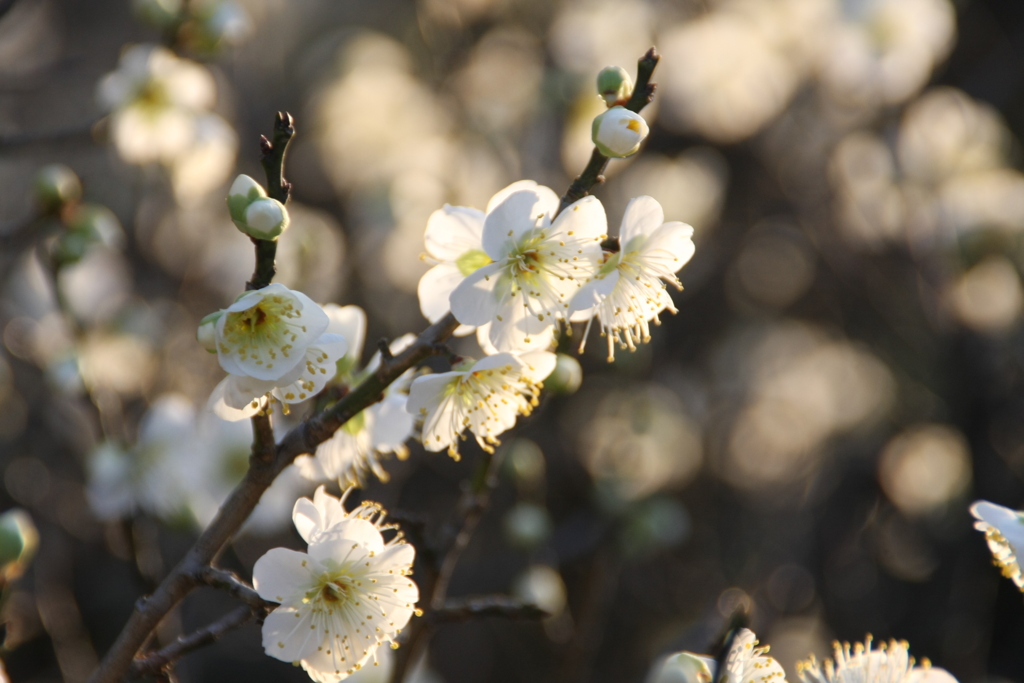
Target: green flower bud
<point>244,191</point>
<point>614,85</point>
<point>566,377</point>
<point>618,132</point>
<point>55,186</point>
<point>18,542</point>
<point>206,334</point>
<point>98,223</point>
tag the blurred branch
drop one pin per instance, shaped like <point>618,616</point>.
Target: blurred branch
<point>162,659</point>
<point>464,609</point>
<point>643,93</point>
<point>13,141</point>
<point>5,6</point>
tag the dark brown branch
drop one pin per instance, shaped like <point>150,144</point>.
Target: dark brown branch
<point>504,606</point>
<point>221,579</point>
<point>158,661</point>
<point>272,153</point>
<point>642,95</point>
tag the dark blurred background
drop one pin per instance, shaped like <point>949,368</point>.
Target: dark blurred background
<point>843,377</point>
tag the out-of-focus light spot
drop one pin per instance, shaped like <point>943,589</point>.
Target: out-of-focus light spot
<point>117,362</point>
<point>527,462</point>
<point>527,525</point>
<point>378,119</point>
<point>588,35</point>
<point>883,51</point>
<point>96,287</point>
<point>924,468</point>
<point>722,77</point>
<point>542,586</point>
<point>804,389</point>
<point>690,187</point>
<point>988,297</point>
<point>206,164</point>
<point>499,84</point>
<point>987,199</point>
<point>640,441</point>
<point>775,269</point>
<point>946,133</point>
<point>870,204</point>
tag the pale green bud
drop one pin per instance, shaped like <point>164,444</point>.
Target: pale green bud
<point>18,542</point>
<point>614,85</point>
<point>206,334</point>
<point>618,132</point>
<point>55,186</point>
<point>266,219</point>
<point>566,377</point>
<point>244,191</point>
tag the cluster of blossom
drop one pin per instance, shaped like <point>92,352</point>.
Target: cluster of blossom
<point>182,467</point>
<point>161,111</point>
<point>343,597</point>
<point>512,273</point>
<point>746,662</point>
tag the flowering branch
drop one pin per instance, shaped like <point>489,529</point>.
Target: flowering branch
<point>229,582</point>
<point>642,95</point>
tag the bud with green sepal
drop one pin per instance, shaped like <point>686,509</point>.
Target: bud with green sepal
<point>618,132</point>
<point>56,186</point>
<point>18,542</point>
<point>253,212</point>
<point>206,333</point>
<point>567,376</point>
<point>614,85</point>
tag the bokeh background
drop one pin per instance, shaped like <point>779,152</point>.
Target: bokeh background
<point>845,373</point>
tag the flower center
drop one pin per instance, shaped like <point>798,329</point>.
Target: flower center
<point>267,324</point>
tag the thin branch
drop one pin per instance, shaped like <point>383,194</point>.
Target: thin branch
<point>642,95</point>
<point>221,579</point>
<point>272,154</point>
<point>505,606</point>
<point>211,633</point>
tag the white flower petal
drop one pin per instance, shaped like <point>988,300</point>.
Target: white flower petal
<point>435,289</point>
<point>237,398</point>
<point>643,216</point>
<point>350,323</point>
<point>280,574</point>
<point>392,423</point>
<point>516,214</point>
<point>474,301</point>
<point>452,231</point>
<point>290,635</point>
<point>317,369</point>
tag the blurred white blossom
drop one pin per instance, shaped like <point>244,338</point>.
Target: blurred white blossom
<point>1004,531</point>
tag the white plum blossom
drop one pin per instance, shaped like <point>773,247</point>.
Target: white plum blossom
<point>746,663</point>
<point>272,340</point>
<point>1004,531</point>
<point>356,448</point>
<point>890,663</point>
<point>153,98</point>
<point>486,397</point>
<point>344,597</point>
<point>538,263</point>
<point>628,292</point>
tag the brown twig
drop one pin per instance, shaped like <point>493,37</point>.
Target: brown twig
<point>160,660</point>
<point>504,606</point>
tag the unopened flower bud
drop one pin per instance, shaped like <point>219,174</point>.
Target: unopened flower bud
<point>614,85</point>
<point>618,132</point>
<point>266,219</point>
<point>244,191</point>
<point>206,334</point>
<point>55,186</point>
<point>566,377</point>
